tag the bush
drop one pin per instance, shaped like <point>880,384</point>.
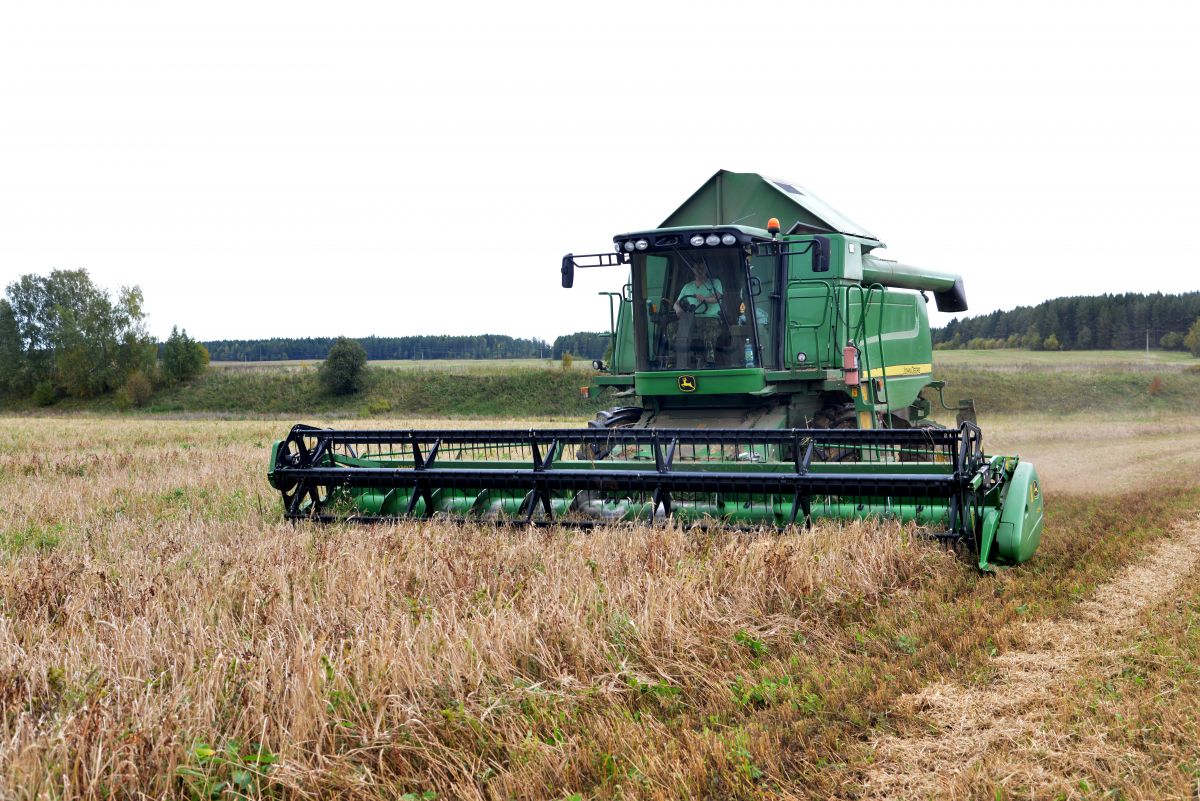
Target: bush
<point>136,392</point>
<point>379,406</point>
<point>567,361</point>
<point>1192,340</point>
<point>44,394</point>
<point>1156,386</point>
<point>344,369</point>
<point>1172,340</point>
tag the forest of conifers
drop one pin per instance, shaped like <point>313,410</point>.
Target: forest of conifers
<point>1098,322</point>
<point>581,345</point>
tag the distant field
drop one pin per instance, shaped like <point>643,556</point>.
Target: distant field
<point>1056,360</point>
<point>1002,360</point>
<point>1070,382</point>
<point>454,365</point>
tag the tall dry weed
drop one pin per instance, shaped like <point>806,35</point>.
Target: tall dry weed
<point>155,607</point>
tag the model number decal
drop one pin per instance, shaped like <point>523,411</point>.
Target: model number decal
<point>898,370</point>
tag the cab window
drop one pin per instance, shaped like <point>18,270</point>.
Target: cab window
<point>699,311</point>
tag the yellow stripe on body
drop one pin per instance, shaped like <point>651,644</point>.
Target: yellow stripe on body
<point>898,371</point>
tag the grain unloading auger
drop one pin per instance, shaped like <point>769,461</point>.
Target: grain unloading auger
<point>769,378</point>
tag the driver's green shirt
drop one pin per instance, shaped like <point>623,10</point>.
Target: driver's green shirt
<point>708,287</point>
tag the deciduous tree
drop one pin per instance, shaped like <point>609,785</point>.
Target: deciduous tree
<point>71,334</point>
<point>1192,340</point>
<point>344,369</point>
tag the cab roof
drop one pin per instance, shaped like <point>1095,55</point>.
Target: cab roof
<point>732,198</point>
<point>757,233</point>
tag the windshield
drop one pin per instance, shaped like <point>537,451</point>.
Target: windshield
<point>697,311</point>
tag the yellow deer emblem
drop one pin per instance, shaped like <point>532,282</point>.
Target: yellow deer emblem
<point>687,383</point>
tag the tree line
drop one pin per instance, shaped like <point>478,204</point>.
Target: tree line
<point>483,346</point>
<point>1097,322</point>
<point>582,345</point>
<point>61,335</point>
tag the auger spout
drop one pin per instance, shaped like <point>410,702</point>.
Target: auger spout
<point>947,288</point>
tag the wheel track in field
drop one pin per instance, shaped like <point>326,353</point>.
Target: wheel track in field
<point>1011,719</point>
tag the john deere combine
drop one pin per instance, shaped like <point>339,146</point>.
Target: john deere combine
<point>769,376</point>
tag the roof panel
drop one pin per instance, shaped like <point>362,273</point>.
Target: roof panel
<point>731,198</point>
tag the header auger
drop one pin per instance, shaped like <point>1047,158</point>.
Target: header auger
<point>777,378</point>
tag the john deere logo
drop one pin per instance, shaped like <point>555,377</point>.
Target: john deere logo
<point>687,383</point>
<point>1034,491</point>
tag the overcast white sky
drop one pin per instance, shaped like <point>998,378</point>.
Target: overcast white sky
<point>302,169</point>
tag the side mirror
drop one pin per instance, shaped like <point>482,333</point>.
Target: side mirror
<point>568,271</point>
<point>755,286</point>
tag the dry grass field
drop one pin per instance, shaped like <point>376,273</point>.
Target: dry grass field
<point>164,634</point>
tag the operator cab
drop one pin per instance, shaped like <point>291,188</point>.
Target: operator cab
<point>701,299</point>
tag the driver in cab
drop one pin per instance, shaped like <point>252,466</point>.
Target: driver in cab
<point>704,293</point>
<point>698,308</point>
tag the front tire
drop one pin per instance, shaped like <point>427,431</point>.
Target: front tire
<point>837,416</point>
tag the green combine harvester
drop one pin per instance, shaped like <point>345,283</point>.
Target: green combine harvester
<point>767,376</point>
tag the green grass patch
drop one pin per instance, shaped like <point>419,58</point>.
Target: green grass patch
<point>31,537</point>
<point>512,392</point>
<point>231,770</point>
<point>1000,381</point>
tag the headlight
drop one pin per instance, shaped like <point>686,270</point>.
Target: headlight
<point>628,245</point>
<point>697,240</point>
<point>728,239</point>
<point>641,244</point>
<point>712,239</point>
<point>617,246</point>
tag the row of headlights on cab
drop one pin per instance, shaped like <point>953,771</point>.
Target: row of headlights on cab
<point>698,240</point>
